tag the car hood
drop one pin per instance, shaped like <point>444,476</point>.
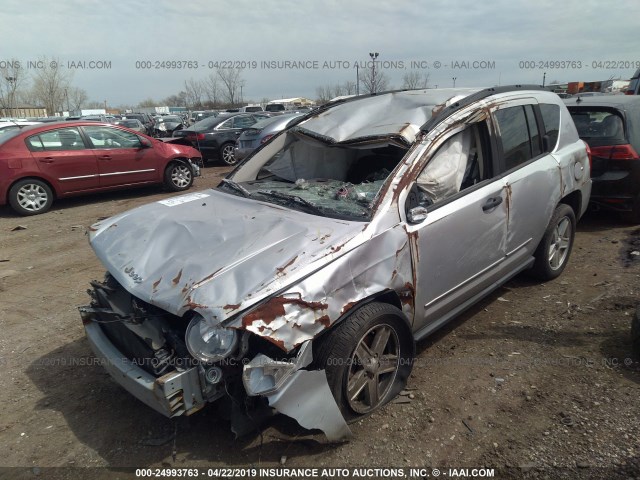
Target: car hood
<point>216,253</point>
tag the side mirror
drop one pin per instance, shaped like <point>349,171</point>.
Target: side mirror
<point>417,215</point>
<point>145,142</point>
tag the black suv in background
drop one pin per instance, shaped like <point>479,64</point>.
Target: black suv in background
<point>610,124</point>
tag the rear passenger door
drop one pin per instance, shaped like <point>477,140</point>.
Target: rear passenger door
<point>531,175</point>
<point>63,156</point>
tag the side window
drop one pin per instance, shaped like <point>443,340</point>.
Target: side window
<point>62,139</point>
<point>106,137</point>
<point>243,122</point>
<point>34,143</point>
<point>551,119</point>
<point>461,162</point>
<point>515,135</point>
<point>226,125</point>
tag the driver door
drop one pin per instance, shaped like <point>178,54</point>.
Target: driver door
<point>458,250</point>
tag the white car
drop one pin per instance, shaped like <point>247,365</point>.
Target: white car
<point>13,125</point>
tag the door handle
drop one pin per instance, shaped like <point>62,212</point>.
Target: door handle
<point>105,157</point>
<point>47,160</point>
<point>491,203</point>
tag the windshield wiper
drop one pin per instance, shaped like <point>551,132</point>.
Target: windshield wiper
<point>237,187</point>
<point>292,198</point>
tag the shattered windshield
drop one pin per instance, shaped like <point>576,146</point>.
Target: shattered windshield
<point>320,178</point>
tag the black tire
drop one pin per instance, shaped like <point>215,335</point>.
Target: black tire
<point>347,355</point>
<point>552,255</point>
<point>635,333</point>
<point>30,197</point>
<point>228,154</point>
<point>178,176</point>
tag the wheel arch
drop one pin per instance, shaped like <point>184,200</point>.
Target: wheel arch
<point>573,200</point>
<point>388,296</point>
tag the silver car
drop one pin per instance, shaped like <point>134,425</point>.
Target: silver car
<point>304,280</point>
<point>260,133</point>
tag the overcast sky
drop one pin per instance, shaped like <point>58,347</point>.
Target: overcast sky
<point>501,33</point>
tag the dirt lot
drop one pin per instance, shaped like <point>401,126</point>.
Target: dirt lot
<point>537,376</point>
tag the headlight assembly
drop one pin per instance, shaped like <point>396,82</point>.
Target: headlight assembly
<point>209,344</point>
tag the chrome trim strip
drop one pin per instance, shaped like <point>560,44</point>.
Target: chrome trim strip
<point>518,248</point>
<point>78,178</point>
<point>125,173</point>
<point>466,281</point>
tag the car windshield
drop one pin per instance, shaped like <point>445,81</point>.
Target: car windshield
<point>319,178</point>
<point>260,124</point>
<point>208,123</point>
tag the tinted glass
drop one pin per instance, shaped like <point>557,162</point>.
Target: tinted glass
<point>514,134</point>
<point>536,148</point>
<point>599,127</point>
<point>105,137</point>
<point>243,122</point>
<point>551,120</point>
<point>61,139</point>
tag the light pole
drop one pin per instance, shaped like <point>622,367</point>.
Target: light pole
<point>454,81</point>
<point>373,71</point>
<point>357,79</point>
<point>12,84</point>
<point>544,78</point>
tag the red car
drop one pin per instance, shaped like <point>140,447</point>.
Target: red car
<point>54,160</point>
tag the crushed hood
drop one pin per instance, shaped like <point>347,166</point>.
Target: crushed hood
<point>396,114</point>
<point>215,253</point>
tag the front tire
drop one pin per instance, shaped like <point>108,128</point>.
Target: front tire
<point>367,358</point>
<point>30,197</point>
<point>178,176</point>
<point>552,255</point>
<point>228,154</point>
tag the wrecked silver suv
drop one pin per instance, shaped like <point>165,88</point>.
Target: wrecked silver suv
<point>301,283</point>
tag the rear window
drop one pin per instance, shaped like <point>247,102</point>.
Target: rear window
<point>551,119</point>
<point>599,127</point>
<point>275,107</point>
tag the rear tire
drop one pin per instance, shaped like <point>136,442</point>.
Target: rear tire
<point>367,358</point>
<point>227,154</point>
<point>30,197</point>
<point>552,255</point>
<point>178,176</point>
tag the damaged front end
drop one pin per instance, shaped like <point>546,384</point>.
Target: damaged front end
<point>176,365</point>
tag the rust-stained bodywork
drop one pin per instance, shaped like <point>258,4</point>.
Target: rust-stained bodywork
<point>315,224</point>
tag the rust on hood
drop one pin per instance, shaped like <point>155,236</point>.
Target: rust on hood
<point>288,264</point>
<point>347,307</point>
<point>325,321</point>
<point>176,280</point>
<point>234,306</point>
<point>156,283</point>
<point>274,308</point>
